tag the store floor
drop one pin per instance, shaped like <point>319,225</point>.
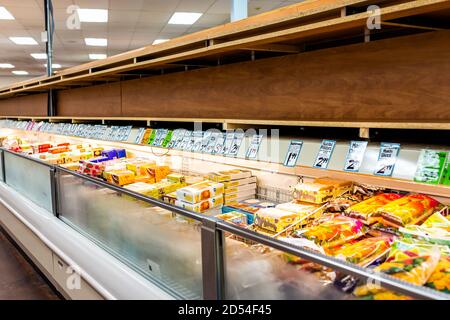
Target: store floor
<point>18,279</point>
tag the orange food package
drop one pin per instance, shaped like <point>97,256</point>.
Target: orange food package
<point>366,209</point>
<point>157,172</point>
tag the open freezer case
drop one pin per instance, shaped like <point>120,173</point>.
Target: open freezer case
<point>247,249</point>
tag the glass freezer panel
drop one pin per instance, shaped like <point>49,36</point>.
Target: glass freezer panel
<point>1,165</point>
<point>29,178</point>
<point>163,247</point>
<point>256,272</point>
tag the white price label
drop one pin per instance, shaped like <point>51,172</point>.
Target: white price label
<point>324,154</point>
<point>387,159</point>
<point>355,156</point>
<point>293,153</point>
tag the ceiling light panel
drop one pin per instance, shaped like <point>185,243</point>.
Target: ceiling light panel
<point>6,66</point>
<point>93,15</point>
<point>185,18</point>
<point>20,72</point>
<point>5,14</point>
<point>23,41</point>
<point>97,56</point>
<point>39,56</point>
<point>96,42</point>
<point>160,41</point>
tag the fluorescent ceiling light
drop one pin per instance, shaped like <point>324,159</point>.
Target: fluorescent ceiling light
<point>184,17</point>
<point>39,56</point>
<point>6,66</point>
<point>97,56</point>
<point>93,15</point>
<point>160,41</point>
<point>24,41</point>
<point>20,72</point>
<point>5,14</point>
<point>54,66</point>
<point>96,42</point>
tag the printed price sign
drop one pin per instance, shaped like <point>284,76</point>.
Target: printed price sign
<point>229,138</point>
<point>252,151</point>
<point>236,144</point>
<point>197,141</point>
<point>185,144</point>
<point>355,156</point>
<point>387,159</point>
<point>324,154</point>
<point>212,142</point>
<point>293,153</point>
<point>218,148</point>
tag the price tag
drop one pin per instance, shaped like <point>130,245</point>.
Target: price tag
<point>196,141</point>
<point>218,148</point>
<point>186,143</point>
<point>206,137</point>
<point>324,154</point>
<point>355,156</point>
<point>236,144</point>
<point>181,139</point>
<point>139,136</point>
<point>252,151</point>
<point>293,153</point>
<point>229,137</point>
<point>212,142</point>
<point>174,138</point>
<point>387,159</point>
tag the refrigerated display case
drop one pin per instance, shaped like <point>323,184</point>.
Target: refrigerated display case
<point>189,255</point>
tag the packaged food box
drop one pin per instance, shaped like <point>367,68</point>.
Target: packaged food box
<point>200,191</point>
<point>410,209</point>
<point>158,172</point>
<point>97,152</point>
<point>257,203</point>
<point>242,188</point>
<point>234,217</point>
<point>146,179</point>
<point>176,177</point>
<point>365,209</point>
<point>202,206</point>
<point>136,165</point>
<point>86,155</point>
<point>90,168</point>
<point>239,182</point>
<point>121,178</point>
<point>240,195</point>
<point>141,187</point>
<point>304,209</point>
<point>249,212</point>
<point>71,166</point>
<point>193,180</point>
<point>275,220</point>
<point>55,150</point>
<point>340,186</point>
<point>365,251</point>
<point>228,175</point>
<point>170,198</point>
<point>313,192</point>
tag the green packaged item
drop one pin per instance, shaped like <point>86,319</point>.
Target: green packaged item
<point>167,139</point>
<point>152,136</point>
<point>430,167</point>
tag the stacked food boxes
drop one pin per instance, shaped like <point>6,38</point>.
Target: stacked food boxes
<point>238,184</point>
<point>201,196</point>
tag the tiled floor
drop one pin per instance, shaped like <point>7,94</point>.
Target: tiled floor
<point>18,279</point>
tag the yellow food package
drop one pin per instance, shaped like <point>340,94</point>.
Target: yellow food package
<point>158,172</point>
<point>97,152</point>
<point>200,191</point>
<point>176,177</point>
<point>120,178</point>
<point>202,206</point>
<point>275,220</point>
<point>339,186</point>
<point>313,192</point>
<point>409,261</point>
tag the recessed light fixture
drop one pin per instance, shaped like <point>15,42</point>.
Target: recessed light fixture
<point>6,66</point>
<point>160,41</point>
<point>96,42</point>
<point>20,72</point>
<point>5,14</point>
<point>24,41</point>
<point>184,17</point>
<point>93,15</point>
<point>97,56</point>
<point>39,56</point>
<point>54,66</point>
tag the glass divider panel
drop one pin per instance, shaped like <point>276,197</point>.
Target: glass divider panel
<point>162,246</point>
<point>29,178</point>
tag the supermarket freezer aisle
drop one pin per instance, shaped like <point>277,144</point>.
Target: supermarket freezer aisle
<point>18,279</point>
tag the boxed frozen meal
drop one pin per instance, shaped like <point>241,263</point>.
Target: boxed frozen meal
<point>202,206</point>
<point>275,220</point>
<point>229,175</point>
<point>200,191</point>
<point>313,192</point>
<point>239,182</point>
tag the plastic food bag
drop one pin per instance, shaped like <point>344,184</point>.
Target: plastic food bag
<point>440,278</point>
<point>411,209</point>
<point>365,209</point>
<point>408,261</point>
<point>436,229</point>
<point>365,251</point>
<point>333,232</point>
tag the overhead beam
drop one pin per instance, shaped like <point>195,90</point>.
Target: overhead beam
<point>275,48</point>
<point>411,26</point>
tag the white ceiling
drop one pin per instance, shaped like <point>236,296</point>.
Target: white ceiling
<point>132,24</point>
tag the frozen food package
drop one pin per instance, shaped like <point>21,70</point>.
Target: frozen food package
<point>334,231</point>
<point>304,209</point>
<point>440,278</point>
<point>339,186</point>
<point>436,229</point>
<point>313,192</point>
<point>234,217</point>
<point>409,261</point>
<point>342,203</point>
<point>364,251</point>
<point>202,206</point>
<point>200,191</point>
<point>410,209</point>
<point>275,220</point>
<point>228,175</point>
<point>239,182</point>
<point>365,209</point>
